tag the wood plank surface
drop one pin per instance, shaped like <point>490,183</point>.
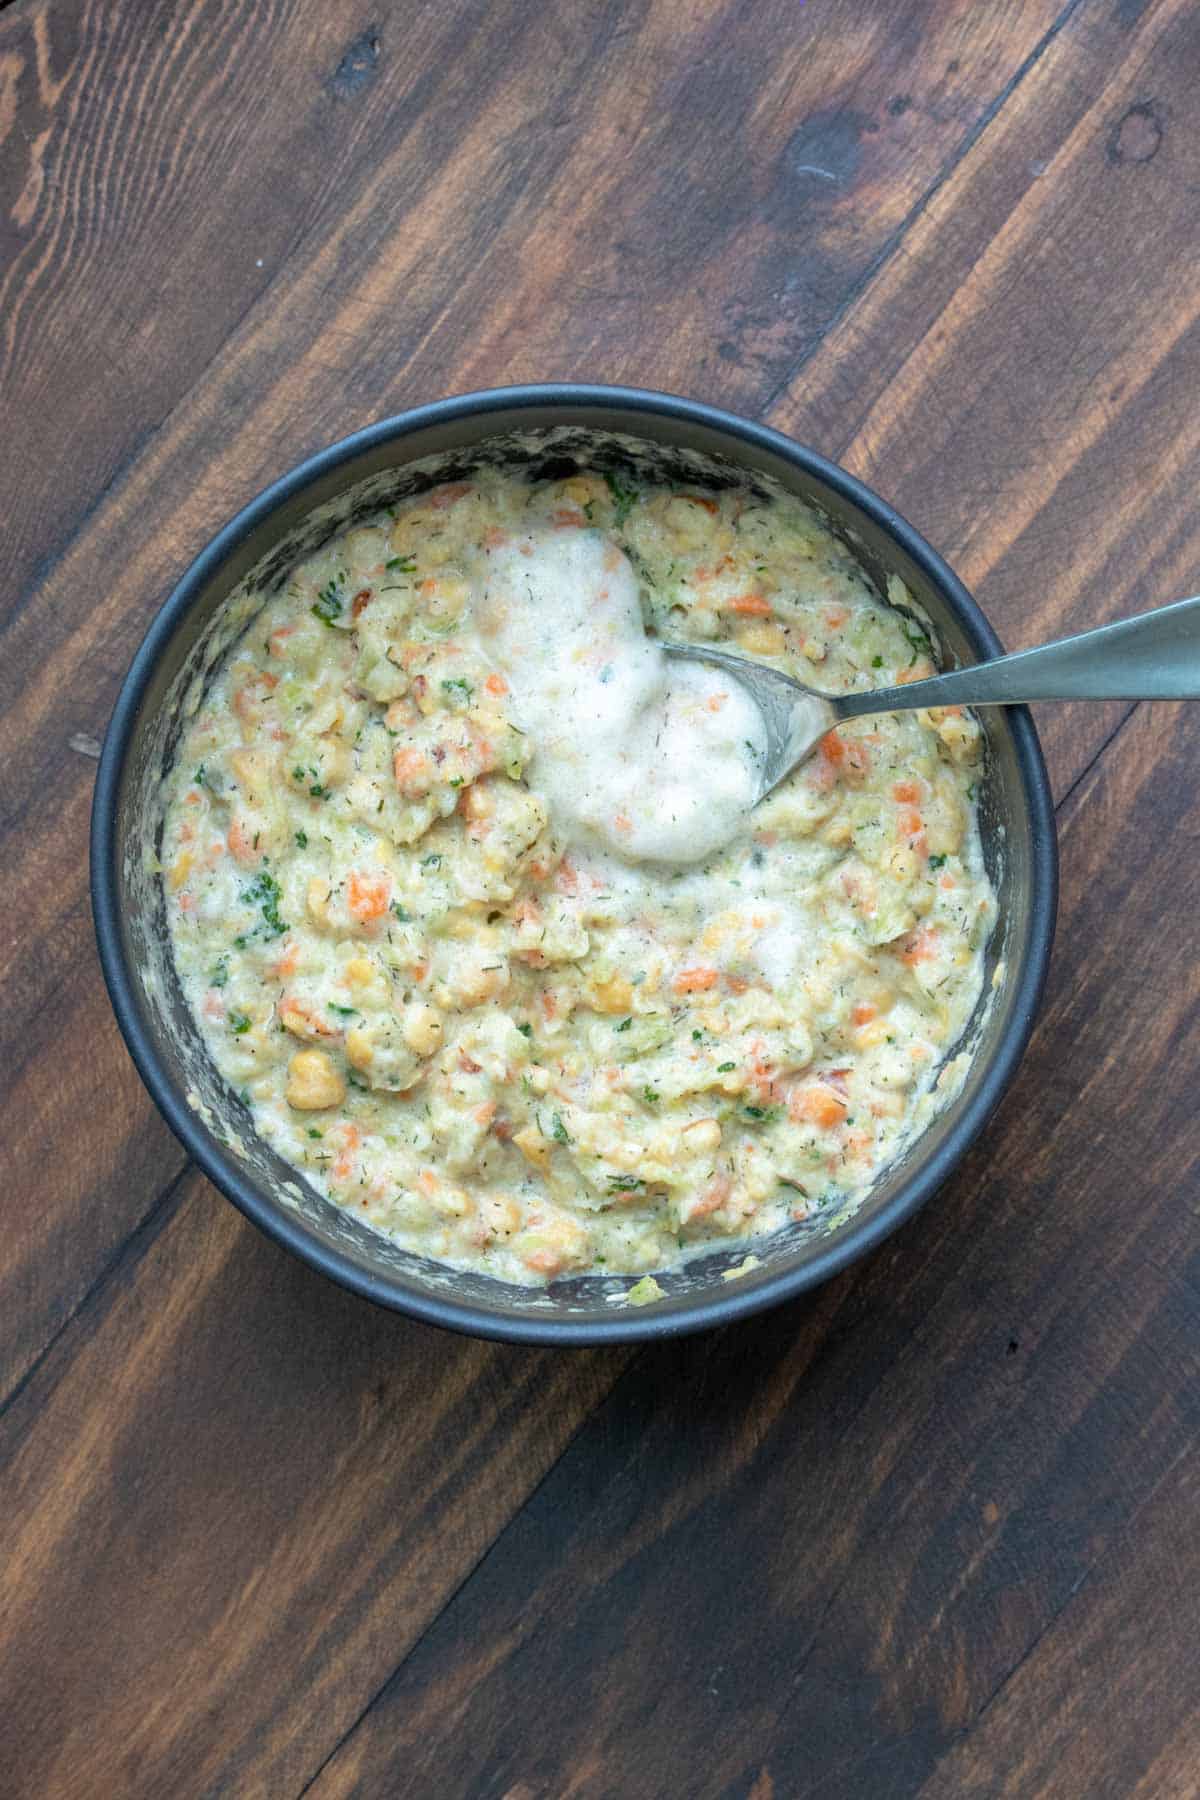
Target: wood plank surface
<point>1014,382</point>
<point>383,302</point>
<point>236,1496</point>
<point>926,1532</point>
<point>826,1542</point>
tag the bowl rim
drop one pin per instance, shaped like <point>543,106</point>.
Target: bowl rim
<point>286,1227</point>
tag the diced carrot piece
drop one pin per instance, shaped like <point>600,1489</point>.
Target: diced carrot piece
<point>834,747</point>
<point>495,684</point>
<point>835,616</point>
<point>709,1200</point>
<point>710,506</point>
<point>443,497</point>
<point>858,759</point>
<point>920,946</point>
<point>278,639</point>
<point>695,981</point>
<point>906,792</point>
<point>544,1260</point>
<point>360,602</point>
<point>755,606</point>
<point>919,671</point>
<point>241,845</point>
<point>368,896</point>
<point>623,822</point>
<point>411,769</point>
<point>862,1012</point>
<point>288,962</point>
<point>816,1105</point>
<point>909,823</point>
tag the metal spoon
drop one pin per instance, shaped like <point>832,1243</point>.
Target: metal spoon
<point>1153,657</point>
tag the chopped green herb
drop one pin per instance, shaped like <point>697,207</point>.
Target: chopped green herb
<point>302,839</point>
<point>239,1023</point>
<point>263,891</point>
<point>314,1133</point>
<point>525,1030</point>
<point>220,974</point>
<point>318,792</point>
<point>936,862</point>
<point>459,689</point>
<point>433,861</point>
<point>650,1097</point>
<point>877,662</point>
<point>356,1081</point>
<point>328,606</point>
<point>456,781</point>
<point>917,642</point>
<point>724,1068</point>
<point>198,777</point>
<point>625,1184</point>
<point>347,1012</point>
<point>696,1036</point>
<point>405,918</point>
<point>558,1130</point>
<point>761,1115</point>
<point>625,1024</point>
<point>624,498</point>
<point>407,565</point>
<point>972,790</point>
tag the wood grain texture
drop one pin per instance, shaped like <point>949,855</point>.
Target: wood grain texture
<point>491,178</point>
<point>925,1533</point>
<point>233,1499</point>
<point>828,1545</point>
<point>1015,382</point>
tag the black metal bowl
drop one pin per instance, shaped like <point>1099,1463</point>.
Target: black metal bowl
<point>545,429</point>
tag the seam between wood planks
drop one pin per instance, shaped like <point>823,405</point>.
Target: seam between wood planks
<point>1062,809</point>
<point>888,250</point>
<point>130,1251</point>
<point>488,1549</point>
<point>117,478</point>
<point>162,1209</point>
<point>1118,728</point>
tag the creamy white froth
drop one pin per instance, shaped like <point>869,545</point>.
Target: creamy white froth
<point>653,758</point>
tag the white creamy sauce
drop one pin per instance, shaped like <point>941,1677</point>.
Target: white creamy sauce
<point>652,758</point>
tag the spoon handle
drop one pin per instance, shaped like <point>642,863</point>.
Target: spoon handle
<point>1155,656</point>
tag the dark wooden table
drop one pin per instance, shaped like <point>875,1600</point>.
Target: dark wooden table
<point>933,1531</point>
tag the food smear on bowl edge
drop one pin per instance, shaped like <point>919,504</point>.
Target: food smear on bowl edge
<point>471,903</point>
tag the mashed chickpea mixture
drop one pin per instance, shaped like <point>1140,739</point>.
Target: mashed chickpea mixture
<point>469,893</point>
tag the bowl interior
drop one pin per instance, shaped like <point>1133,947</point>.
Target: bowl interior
<point>215,603</point>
